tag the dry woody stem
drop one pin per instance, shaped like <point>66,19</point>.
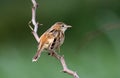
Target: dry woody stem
<point>54,54</point>
<point>33,21</point>
<point>65,68</point>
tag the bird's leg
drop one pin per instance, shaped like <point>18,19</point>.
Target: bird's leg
<point>51,53</point>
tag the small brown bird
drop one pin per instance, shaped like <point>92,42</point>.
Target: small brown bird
<point>52,39</point>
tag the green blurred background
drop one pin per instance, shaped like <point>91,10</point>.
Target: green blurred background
<point>92,45</point>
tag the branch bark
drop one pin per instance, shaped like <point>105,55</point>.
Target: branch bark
<point>64,65</point>
<point>54,54</point>
<point>33,21</point>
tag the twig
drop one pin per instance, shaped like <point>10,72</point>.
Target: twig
<point>33,21</point>
<point>54,54</point>
<point>65,68</point>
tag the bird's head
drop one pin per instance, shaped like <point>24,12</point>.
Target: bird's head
<point>61,26</point>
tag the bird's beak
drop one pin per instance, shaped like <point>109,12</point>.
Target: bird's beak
<point>68,26</point>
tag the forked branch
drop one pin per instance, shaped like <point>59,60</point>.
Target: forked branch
<point>33,21</point>
<point>64,65</point>
<point>54,54</point>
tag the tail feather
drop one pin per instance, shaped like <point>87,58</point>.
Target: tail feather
<point>36,56</point>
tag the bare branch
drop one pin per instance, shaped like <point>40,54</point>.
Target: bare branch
<point>33,21</point>
<point>54,54</point>
<point>65,68</point>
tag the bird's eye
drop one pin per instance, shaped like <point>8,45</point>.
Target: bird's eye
<point>62,25</point>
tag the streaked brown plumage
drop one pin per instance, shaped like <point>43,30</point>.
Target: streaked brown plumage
<point>52,39</point>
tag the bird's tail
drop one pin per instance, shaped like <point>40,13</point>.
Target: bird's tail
<point>37,55</point>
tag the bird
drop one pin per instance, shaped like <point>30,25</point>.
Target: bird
<point>52,39</point>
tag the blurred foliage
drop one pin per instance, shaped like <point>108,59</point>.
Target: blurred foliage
<point>92,45</point>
